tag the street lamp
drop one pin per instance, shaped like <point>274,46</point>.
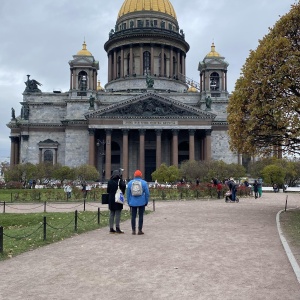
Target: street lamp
<point>101,143</point>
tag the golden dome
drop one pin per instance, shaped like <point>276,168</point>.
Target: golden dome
<point>192,89</point>
<point>99,87</point>
<point>213,52</point>
<point>84,51</point>
<point>163,6</point>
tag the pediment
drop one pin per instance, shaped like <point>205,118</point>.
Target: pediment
<point>149,106</point>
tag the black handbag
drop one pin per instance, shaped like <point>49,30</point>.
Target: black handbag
<point>105,199</point>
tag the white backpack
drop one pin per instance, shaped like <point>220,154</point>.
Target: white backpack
<point>136,188</point>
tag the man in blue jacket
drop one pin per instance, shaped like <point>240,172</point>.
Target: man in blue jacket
<point>137,197</point>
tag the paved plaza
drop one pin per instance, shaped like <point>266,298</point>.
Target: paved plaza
<point>206,250</point>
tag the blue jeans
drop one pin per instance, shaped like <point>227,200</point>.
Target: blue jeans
<point>233,193</point>
<point>134,210</point>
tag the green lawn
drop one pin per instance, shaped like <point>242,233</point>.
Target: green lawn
<point>25,232</point>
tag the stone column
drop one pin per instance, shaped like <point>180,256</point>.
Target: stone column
<point>109,67</point>
<point>152,60</point>
<point>142,151</point>
<point>91,147</point>
<point>192,144</point>
<point>74,79</point>
<point>71,77</point>
<point>208,144</point>
<point>130,61</point>
<point>175,148</point>
<point>115,64</point>
<point>141,61</point>
<point>158,147</point>
<point>125,164</point>
<point>12,150</point>
<point>171,62</point>
<point>178,63</point>
<point>55,156</point>
<point>162,61</point>
<point>183,63</point>
<point>108,154</point>
<point>225,80</point>
<point>122,63</point>
<point>40,156</point>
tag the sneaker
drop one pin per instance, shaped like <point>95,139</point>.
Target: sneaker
<point>140,232</point>
<point>112,230</point>
<point>133,232</point>
<point>119,230</point>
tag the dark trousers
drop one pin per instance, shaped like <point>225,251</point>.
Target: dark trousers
<point>134,210</point>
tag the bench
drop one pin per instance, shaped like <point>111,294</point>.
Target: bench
<point>292,189</point>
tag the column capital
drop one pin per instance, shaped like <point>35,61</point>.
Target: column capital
<point>142,131</point>
<point>14,138</point>
<point>25,137</point>
<point>108,131</point>
<point>175,131</point>
<point>192,131</point>
<point>125,131</point>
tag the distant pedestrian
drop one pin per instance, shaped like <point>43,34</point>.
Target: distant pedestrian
<point>115,208</point>
<point>259,181</point>
<point>137,198</point>
<point>255,189</point>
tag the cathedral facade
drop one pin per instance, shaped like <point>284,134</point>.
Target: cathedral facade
<point>149,112</point>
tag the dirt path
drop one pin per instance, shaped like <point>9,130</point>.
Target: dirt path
<point>206,250</point>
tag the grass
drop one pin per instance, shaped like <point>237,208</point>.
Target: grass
<point>24,232</point>
<point>290,224</point>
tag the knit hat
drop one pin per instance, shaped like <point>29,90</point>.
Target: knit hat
<point>137,173</point>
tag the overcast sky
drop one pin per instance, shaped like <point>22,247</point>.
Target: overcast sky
<point>40,37</point>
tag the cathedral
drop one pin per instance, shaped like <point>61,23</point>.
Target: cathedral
<point>148,113</point>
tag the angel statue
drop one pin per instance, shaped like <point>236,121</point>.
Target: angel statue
<point>32,86</point>
<point>149,81</point>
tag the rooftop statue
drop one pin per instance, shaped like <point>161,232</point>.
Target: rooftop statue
<point>149,81</point>
<point>208,102</point>
<point>32,86</point>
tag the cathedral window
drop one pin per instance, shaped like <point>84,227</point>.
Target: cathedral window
<point>164,71</point>
<point>155,23</point>
<point>146,63</point>
<point>131,24</point>
<point>147,23</point>
<point>48,156</point>
<point>170,26</point>
<point>174,66</point>
<point>124,26</point>
<point>163,24</point>
<point>119,67</point>
<point>82,81</point>
<point>140,23</point>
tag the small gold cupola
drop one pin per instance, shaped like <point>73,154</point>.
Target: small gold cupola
<point>84,51</point>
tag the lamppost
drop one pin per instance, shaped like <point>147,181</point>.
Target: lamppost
<point>102,153</point>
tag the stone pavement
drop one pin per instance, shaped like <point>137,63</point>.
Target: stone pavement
<point>206,250</point>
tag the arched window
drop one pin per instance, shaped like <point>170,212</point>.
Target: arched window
<point>119,67</point>
<point>146,63</point>
<point>174,66</point>
<point>82,81</point>
<point>214,81</point>
<point>48,156</point>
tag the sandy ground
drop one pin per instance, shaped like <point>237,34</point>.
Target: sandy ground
<point>191,250</point>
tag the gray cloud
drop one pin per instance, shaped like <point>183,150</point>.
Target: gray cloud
<point>40,37</point>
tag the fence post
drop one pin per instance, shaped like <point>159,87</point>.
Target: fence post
<point>286,202</point>
<point>45,224</point>
<point>45,204</point>
<point>76,217</point>
<point>1,239</point>
<point>153,205</point>
<point>98,215</point>
<point>11,197</point>
<point>84,205</point>
<point>4,207</point>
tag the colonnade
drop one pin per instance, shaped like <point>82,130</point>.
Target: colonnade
<point>205,151</point>
<point>169,52</point>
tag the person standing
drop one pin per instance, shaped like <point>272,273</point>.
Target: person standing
<point>114,207</point>
<point>137,198</point>
<point>259,187</point>
<point>255,189</point>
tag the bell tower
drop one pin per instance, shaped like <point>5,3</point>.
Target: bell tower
<point>83,72</point>
<point>213,75</point>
